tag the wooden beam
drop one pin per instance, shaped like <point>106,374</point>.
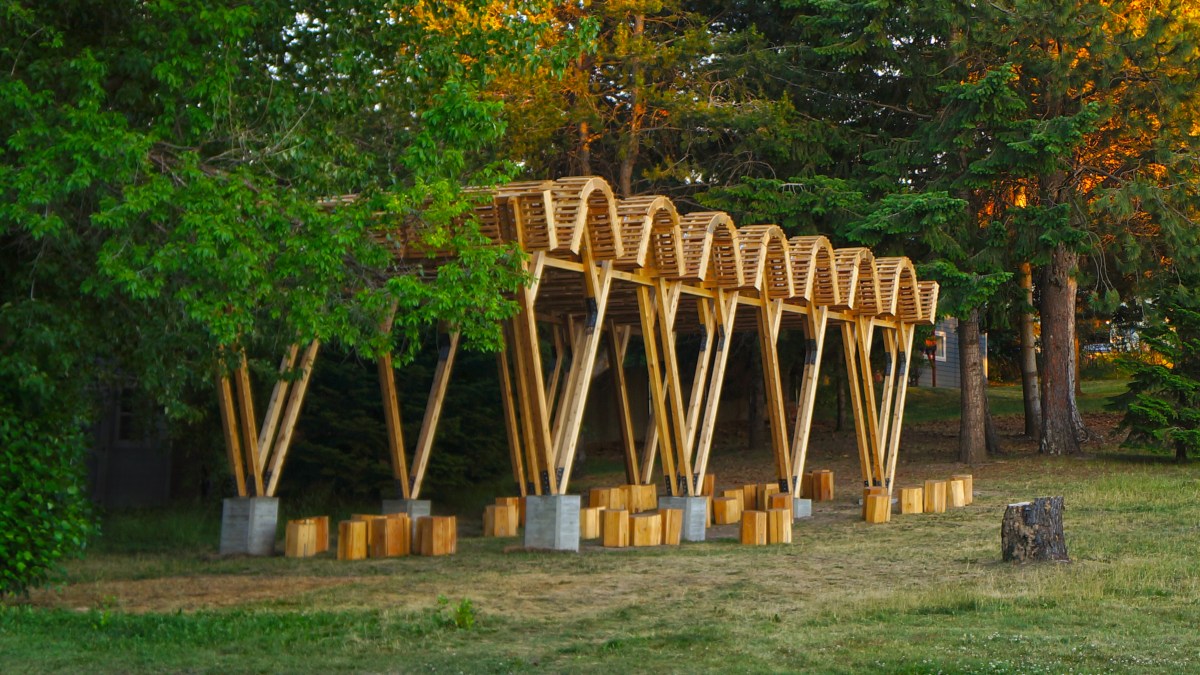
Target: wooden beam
<point>617,342</point>
<point>560,354</point>
<point>890,348</point>
<point>725,309</point>
<point>906,340</point>
<point>514,337</point>
<point>249,426</point>
<point>233,445</point>
<point>598,279</point>
<point>850,349</point>
<point>658,401</point>
<point>394,424</point>
<point>532,382</point>
<point>433,413</point>
<point>666,300</point>
<point>816,321</point>
<point>700,376</point>
<point>866,334</point>
<point>510,420</point>
<point>290,415</point>
<point>768,332</point>
<point>266,436</point>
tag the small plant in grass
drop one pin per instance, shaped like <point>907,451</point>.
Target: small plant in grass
<point>462,616</point>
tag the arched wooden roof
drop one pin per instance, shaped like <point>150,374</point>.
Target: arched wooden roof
<point>726,256</point>
<point>814,275</point>
<point>524,214</point>
<point>929,298</point>
<point>857,280</point>
<point>697,230</point>
<point>898,295</point>
<point>584,206</point>
<point>766,263</point>
<point>650,234</point>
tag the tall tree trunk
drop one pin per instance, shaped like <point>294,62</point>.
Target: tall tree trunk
<point>585,150</point>
<point>630,146</point>
<point>1059,412</point>
<point>972,425</point>
<point>1029,373</point>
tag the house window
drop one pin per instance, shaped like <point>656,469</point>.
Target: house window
<point>940,336</point>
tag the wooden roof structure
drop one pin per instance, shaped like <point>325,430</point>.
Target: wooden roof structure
<point>608,270</point>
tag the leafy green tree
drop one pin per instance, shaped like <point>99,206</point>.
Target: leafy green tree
<point>167,175</point>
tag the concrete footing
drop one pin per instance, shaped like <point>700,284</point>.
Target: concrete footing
<point>413,508</point>
<point>248,525</point>
<point>695,515</point>
<point>801,508</point>
<point>552,522</point>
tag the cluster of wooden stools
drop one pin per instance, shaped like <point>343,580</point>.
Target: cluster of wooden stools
<point>934,497</point>
<point>373,536</point>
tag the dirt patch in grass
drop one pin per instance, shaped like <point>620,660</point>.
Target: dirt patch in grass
<point>171,594</point>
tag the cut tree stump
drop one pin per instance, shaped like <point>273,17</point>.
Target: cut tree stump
<point>589,522</point>
<point>1033,531</point>
<point>615,528</point>
<point>912,500</point>
<point>727,510</point>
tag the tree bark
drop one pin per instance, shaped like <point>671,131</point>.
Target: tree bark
<point>1033,531</point>
<point>632,140</point>
<point>972,424</point>
<point>1029,371</point>
<point>1059,412</point>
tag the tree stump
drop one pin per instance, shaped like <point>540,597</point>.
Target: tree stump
<point>1034,531</point>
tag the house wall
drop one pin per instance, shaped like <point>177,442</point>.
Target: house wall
<point>947,359</point>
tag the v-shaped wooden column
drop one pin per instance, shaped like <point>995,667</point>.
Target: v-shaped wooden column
<point>815,322</point>
<point>265,452</point>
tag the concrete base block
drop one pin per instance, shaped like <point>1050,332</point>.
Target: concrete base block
<point>413,508</point>
<point>552,522</point>
<point>695,514</point>
<point>801,508</point>
<point>248,525</point>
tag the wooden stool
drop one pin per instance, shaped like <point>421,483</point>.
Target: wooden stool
<point>780,500</point>
<point>754,528</point>
<point>912,500</point>
<point>763,495</point>
<point>806,485</point>
<point>878,507</point>
<point>352,540</point>
<point>390,537</point>
<point>867,492</point>
<point>822,485</point>
<point>710,484</point>
<point>645,529</point>
<point>739,495</point>
<point>501,520</point>
<point>516,502</point>
<point>672,526</point>
<point>301,538</point>
<point>616,528</point>
<point>641,498</point>
<point>935,496</point>
<point>609,498</point>
<point>968,485</point>
<point>779,526</point>
<point>749,497</point>
<point>438,535</point>
<point>589,522</point>
<point>727,510</point>
<point>956,495</point>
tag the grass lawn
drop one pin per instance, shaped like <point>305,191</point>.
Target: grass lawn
<point>920,594</point>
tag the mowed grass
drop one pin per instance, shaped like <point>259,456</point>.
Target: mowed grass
<point>920,594</point>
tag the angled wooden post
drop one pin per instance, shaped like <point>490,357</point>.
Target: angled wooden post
<point>266,436</point>
<point>850,349</point>
<point>229,425</point>
<point>658,403</point>
<point>532,382</point>
<point>391,416</point>
<point>700,378</point>
<point>891,347</point>
<point>907,332</point>
<point>618,341</point>
<point>433,413</point>
<point>725,307</point>
<point>666,301</point>
<point>598,282</point>
<point>248,423</point>
<point>511,428</point>
<point>815,322</point>
<point>532,435</point>
<point>290,415</point>
<point>769,315</point>
<point>866,334</point>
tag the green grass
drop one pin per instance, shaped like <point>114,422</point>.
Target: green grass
<point>930,405</point>
<point>922,594</point>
